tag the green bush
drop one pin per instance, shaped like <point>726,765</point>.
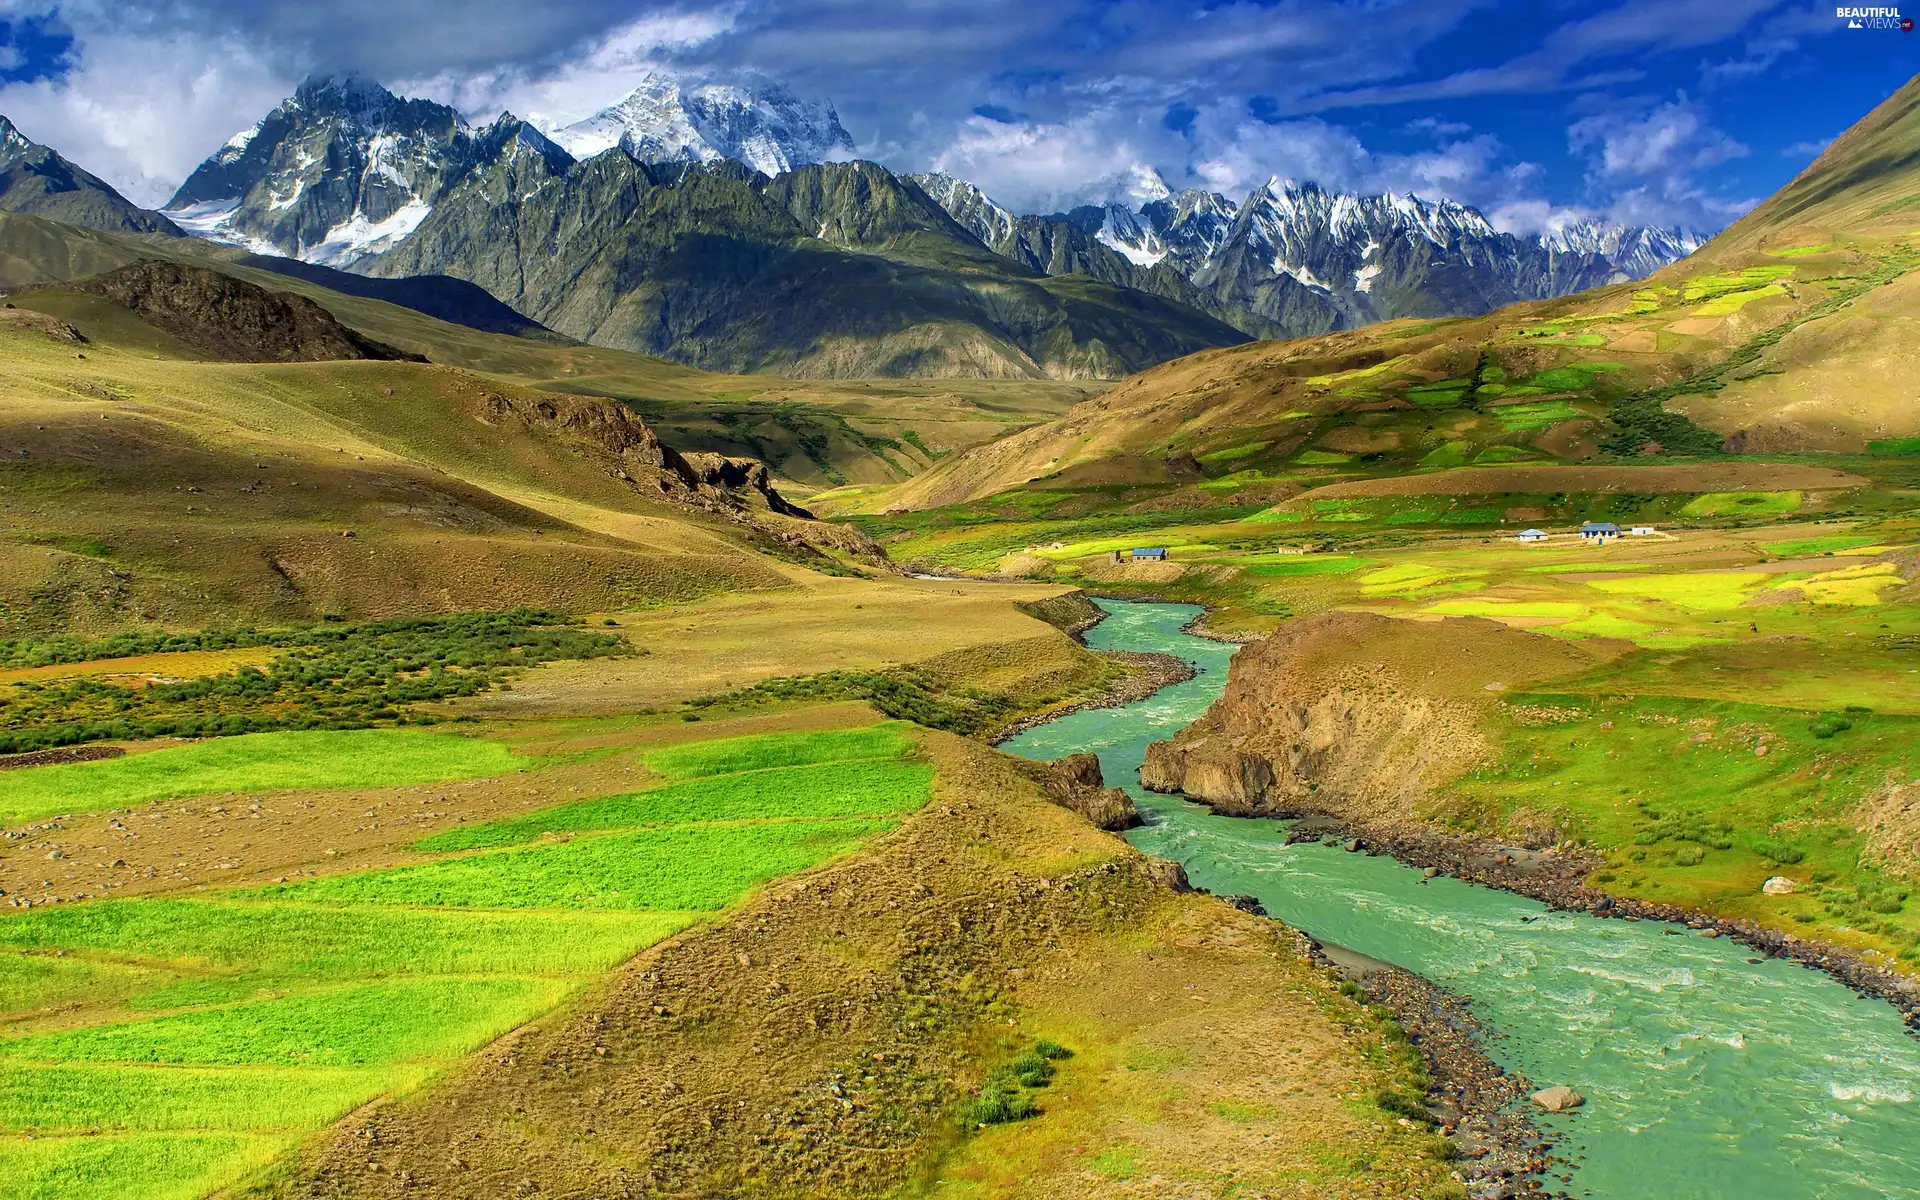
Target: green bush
<point>1781,852</point>
<point>1827,724</point>
<point>999,1104</point>
<point>1688,856</point>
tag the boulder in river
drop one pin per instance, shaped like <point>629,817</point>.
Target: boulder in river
<point>1779,885</point>
<point>1558,1099</point>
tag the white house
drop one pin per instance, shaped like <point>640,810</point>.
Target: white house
<point>1599,533</point>
<point>1531,535</point>
<point>1642,531</point>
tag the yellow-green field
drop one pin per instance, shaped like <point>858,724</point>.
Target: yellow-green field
<point>166,1047</point>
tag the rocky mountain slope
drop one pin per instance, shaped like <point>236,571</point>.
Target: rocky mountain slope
<point>36,180</point>
<point>829,270</point>
<point>665,120</point>
<point>342,169</point>
<point>833,270</point>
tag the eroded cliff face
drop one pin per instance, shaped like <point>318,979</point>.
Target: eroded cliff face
<point>1355,714</point>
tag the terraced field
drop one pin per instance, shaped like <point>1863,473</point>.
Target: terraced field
<point>166,1046</point>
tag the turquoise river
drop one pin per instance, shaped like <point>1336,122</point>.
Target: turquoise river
<point>1708,1075</point>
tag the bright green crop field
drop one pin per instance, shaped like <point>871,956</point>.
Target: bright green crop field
<point>213,1032</point>
<point>253,762</point>
<point>728,755</point>
<point>846,789</point>
<point>693,867</point>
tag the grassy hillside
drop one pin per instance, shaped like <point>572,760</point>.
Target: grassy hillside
<point>821,433</point>
<point>1791,333</point>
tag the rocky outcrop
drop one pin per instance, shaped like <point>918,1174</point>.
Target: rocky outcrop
<point>1075,783</point>
<point>231,320</point>
<point>1353,713</point>
<point>739,490</point>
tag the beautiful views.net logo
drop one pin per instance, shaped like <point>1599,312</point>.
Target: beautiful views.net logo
<point>1873,18</point>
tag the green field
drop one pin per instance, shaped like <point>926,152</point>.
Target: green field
<point>688,867</point>
<point>850,789</point>
<point>727,755</point>
<point>254,762</point>
<point>193,1040</point>
<point>1677,794</point>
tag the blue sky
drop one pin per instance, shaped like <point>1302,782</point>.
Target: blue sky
<point>1660,111</point>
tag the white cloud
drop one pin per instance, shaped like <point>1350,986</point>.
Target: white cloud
<point>1648,164</point>
<point>603,70</point>
<point>142,111</point>
<point>1034,166</point>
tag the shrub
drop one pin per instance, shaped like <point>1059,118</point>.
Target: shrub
<point>1048,1048</point>
<point>1401,1105</point>
<point>1827,724</point>
<point>999,1104</point>
<point>1782,852</point>
<point>1688,856</point>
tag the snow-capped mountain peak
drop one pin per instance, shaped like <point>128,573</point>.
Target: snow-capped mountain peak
<point>12,142</point>
<point>969,206</point>
<point>340,170</point>
<point>666,120</point>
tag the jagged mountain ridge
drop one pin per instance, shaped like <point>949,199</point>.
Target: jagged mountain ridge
<point>664,120</point>
<point>1295,259</point>
<point>345,172</point>
<point>341,170</point>
<point>37,181</point>
<point>835,269</point>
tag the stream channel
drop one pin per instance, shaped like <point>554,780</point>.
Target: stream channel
<point>1707,1074</point>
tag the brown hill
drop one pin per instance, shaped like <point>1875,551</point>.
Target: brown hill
<point>232,320</point>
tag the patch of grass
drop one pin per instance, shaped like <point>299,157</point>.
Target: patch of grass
<point>257,762</point>
<point>1233,453</point>
<point>1857,586</point>
<point>1412,578</point>
<point>1895,447</point>
<point>724,756</point>
<point>1733,302</point>
<point>1290,566</point>
<point>1008,1093</point>
<point>1451,454</point>
<point>1701,591</point>
<point>1755,504</point>
<point>850,789</point>
<point>357,1025</point>
<point>309,942</point>
<point>684,868</point>
<point>152,1166</point>
<point>1517,417</point>
<point>1817,545</point>
<point>1317,458</point>
<point>1505,454</point>
<point>90,1097</point>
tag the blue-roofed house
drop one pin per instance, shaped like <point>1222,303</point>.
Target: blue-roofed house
<point>1530,536</point>
<point>1599,532</point>
<point>1148,554</point>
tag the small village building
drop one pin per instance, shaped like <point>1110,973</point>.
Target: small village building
<point>1148,554</point>
<point>1642,531</point>
<point>1599,532</point>
<point>1531,535</point>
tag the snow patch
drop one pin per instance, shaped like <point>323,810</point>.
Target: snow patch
<point>357,237</point>
<point>210,219</point>
<point>1364,277</point>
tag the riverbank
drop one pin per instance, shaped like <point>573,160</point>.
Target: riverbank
<point>1148,673</point>
<point>1558,880</point>
<point>1498,1150</point>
